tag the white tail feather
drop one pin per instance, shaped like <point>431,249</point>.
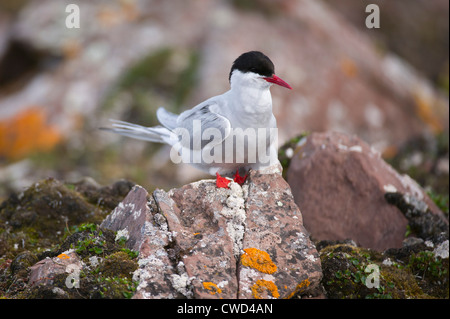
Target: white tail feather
<point>156,134</point>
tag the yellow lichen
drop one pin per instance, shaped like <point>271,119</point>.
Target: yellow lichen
<point>63,256</point>
<point>259,260</point>
<point>299,288</point>
<point>212,287</point>
<point>264,286</point>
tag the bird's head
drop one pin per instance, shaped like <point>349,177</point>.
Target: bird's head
<point>256,70</point>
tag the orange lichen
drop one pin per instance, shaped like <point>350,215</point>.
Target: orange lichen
<point>111,15</point>
<point>63,256</point>
<point>424,110</point>
<point>390,152</point>
<point>25,133</point>
<point>71,48</point>
<point>212,287</point>
<point>264,286</point>
<point>259,260</point>
<point>299,288</point>
<point>349,67</point>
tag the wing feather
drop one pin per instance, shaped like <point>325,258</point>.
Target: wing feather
<point>204,126</point>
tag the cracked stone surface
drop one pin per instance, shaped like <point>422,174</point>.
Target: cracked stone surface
<point>199,241</point>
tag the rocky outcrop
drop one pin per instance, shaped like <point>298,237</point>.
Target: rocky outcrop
<point>249,241</point>
<point>199,241</point>
<point>340,183</point>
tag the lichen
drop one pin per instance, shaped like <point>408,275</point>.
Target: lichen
<point>212,288</point>
<point>259,260</point>
<point>301,287</point>
<point>262,288</point>
<point>27,132</point>
<point>234,212</point>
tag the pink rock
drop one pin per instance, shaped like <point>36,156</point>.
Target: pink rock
<point>339,182</point>
<point>44,271</point>
<point>274,225</point>
<point>147,233</point>
<point>191,240</point>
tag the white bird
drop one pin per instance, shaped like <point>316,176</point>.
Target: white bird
<point>226,133</point>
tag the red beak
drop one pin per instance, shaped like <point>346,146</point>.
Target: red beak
<point>276,80</point>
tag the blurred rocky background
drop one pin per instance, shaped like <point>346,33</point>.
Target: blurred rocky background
<point>59,85</point>
<point>383,90</point>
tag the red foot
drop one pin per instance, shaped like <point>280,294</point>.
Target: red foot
<point>222,182</point>
<point>239,179</point>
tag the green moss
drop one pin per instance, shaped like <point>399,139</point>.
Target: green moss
<point>115,288</point>
<point>50,218</point>
<point>292,144</point>
<point>89,240</point>
<point>401,284</point>
<point>344,269</point>
<point>106,273</point>
<point>118,264</point>
<point>431,272</point>
<point>441,201</point>
<point>345,274</point>
<point>48,211</point>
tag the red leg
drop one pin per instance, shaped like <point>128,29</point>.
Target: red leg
<point>239,179</point>
<point>222,182</point>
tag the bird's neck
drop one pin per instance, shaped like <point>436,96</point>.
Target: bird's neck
<point>254,103</point>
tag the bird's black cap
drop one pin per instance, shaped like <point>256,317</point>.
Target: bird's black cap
<point>253,61</point>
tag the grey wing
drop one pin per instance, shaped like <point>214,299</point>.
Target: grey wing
<point>202,126</point>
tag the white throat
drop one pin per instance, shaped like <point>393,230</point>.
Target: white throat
<point>251,98</point>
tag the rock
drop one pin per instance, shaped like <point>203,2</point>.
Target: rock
<point>421,220</point>
<point>340,182</point>
<point>199,241</point>
<point>44,271</point>
<point>274,224</point>
<point>146,231</point>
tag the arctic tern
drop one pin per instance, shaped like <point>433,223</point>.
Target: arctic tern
<point>226,133</point>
